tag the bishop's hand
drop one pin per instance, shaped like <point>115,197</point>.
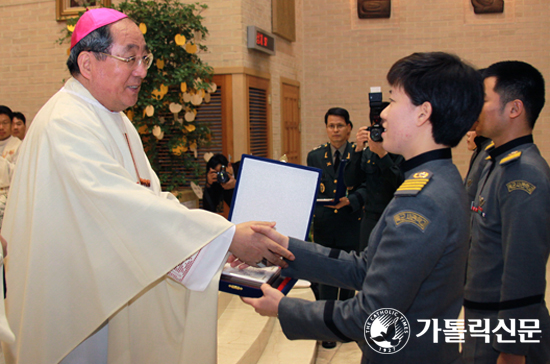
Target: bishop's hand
<point>252,245</point>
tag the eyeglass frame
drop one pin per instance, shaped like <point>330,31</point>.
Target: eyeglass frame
<point>129,59</point>
<point>336,126</point>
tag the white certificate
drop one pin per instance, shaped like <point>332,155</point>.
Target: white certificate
<point>269,190</point>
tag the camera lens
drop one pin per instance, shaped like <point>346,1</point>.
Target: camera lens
<point>376,135</point>
<point>376,132</point>
<point>222,176</point>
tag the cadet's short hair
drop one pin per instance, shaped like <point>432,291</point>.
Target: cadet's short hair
<point>6,111</point>
<point>521,81</point>
<point>338,111</point>
<point>452,87</point>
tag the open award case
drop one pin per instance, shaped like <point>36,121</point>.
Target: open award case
<point>269,190</point>
<point>247,282</point>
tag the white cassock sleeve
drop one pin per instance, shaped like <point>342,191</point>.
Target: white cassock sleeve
<point>197,271</point>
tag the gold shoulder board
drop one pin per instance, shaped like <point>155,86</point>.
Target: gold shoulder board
<point>414,184</point>
<point>511,157</point>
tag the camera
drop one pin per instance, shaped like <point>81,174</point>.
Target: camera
<point>222,176</point>
<point>376,132</point>
<point>376,106</point>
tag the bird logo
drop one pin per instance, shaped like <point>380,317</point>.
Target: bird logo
<point>387,331</point>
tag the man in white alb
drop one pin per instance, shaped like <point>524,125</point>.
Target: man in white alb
<point>92,237</point>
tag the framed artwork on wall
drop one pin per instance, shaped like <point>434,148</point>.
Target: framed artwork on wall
<point>488,6</point>
<point>70,8</point>
<point>367,9</point>
<point>284,19</point>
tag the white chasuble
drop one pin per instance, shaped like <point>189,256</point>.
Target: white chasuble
<point>89,245</point>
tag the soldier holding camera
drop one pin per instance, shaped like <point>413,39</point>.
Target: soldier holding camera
<point>377,171</point>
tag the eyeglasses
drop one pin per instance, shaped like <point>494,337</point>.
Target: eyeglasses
<point>131,61</point>
<point>336,126</point>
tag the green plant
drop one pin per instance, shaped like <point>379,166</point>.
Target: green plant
<point>176,84</point>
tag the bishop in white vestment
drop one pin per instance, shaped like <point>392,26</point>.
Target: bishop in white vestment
<point>92,237</point>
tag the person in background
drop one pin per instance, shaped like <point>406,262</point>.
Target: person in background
<point>470,143</point>
<point>377,172</point>
<point>334,226</point>
<point>510,246</point>
<point>9,145</point>
<point>480,146</point>
<point>9,148</point>
<point>19,125</point>
<point>221,178</point>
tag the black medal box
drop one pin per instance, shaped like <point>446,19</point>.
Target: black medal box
<point>247,282</point>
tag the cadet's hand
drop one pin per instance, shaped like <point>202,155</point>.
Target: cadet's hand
<point>361,137</point>
<point>250,245</point>
<point>268,304</point>
<point>505,358</point>
<point>376,147</point>
<point>344,201</point>
<point>272,234</point>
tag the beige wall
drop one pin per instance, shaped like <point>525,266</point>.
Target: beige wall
<point>33,67</point>
<point>344,56</point>
<point>227,22</point>
<point>336,58</point>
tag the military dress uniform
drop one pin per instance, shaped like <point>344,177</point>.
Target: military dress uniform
<point>378,178</point>
<point>509,252</point>
<point>477,162</point>
<point>334,228</point>
<point>414,261</point>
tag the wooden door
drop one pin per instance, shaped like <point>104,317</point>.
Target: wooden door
<point>290,118</point>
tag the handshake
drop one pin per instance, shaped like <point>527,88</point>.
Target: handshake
<point>253,242</point>
<point>257,243</point>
